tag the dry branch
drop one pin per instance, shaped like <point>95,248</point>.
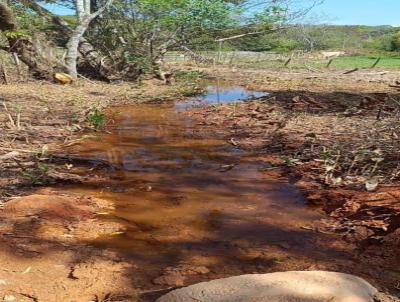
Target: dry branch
<point>3,74</point>
<point>351,71</point>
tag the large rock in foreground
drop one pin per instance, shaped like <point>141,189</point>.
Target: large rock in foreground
<point>311,286</point>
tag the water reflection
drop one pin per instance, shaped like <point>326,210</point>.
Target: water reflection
<point>218,92</point>
<point>169,189</point>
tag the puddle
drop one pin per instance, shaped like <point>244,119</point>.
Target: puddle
<point>221,93</point>
<point>182,193</point>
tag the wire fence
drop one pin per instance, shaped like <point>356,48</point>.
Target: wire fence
<point>11,70</point>
<point>296,59</point>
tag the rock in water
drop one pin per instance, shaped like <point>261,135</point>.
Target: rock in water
<point>63,78</point>
<point>308,286</point>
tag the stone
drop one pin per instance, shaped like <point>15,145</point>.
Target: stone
<point>9,298</point>
<point>63,78</point>
<point>9,155</point>
<point>170,279</point>
<point>202,270</point>
<point>307,286</point>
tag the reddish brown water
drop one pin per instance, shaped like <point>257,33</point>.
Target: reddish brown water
<point>184,193</point>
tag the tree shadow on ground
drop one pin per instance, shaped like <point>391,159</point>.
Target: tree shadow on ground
<point>190,212</point>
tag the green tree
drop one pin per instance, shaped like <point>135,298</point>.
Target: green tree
<point>395,43</point>
<point>143,30</point>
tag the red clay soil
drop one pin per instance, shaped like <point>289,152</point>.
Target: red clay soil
<point>279,127</point>
<point>50,250</point>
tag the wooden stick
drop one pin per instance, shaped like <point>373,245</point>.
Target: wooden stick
<point>85,78</point>
<point>351,71</point>
<point>289,60</point>
<point>18,64</point>
<point>10,118</point>
<point>329,63</point>
<point>17,150</point>
<point>3,73</point>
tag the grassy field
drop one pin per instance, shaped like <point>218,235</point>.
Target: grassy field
<point>347,62</point>
<point>274,60</point>
<point>362,62</point>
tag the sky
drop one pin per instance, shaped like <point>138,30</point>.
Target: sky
<point>360,12</point>
<point>344,12</point>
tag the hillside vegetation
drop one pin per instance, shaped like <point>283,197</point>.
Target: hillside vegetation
<point>319,37</point>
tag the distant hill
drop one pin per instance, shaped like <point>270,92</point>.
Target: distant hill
<point>353,38</point>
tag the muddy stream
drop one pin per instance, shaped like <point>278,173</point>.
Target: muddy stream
<point>188,197</point>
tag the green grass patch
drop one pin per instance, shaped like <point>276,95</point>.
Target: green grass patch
<point>183,75</point>
<point>347,62</point>
<point>363,62</point>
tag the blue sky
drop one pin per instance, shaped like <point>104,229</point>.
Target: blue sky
<point>361,12</point>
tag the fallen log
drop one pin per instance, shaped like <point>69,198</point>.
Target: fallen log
<point>91,58</point>
<point>24,48</point>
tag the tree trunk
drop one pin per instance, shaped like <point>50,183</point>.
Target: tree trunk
<point>7,20</point>
<point>89,54</point>
<point>93,62</point>
<point>73,50</point>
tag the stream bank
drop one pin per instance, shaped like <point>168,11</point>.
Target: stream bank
<point>167,200</point>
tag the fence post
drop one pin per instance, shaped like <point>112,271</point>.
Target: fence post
<point>376,63</point>
<point>289,60</point>
<point>219,51</point>
<point>232,57</point>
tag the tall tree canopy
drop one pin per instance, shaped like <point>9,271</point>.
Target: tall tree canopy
<point>121,36</point>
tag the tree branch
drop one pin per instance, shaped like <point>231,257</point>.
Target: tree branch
<point>47,15</point>
<point>250,34</point>
<point>101,10</point>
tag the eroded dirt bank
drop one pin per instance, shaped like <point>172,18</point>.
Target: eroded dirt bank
<point>340,149</point>
<point>171,197</point>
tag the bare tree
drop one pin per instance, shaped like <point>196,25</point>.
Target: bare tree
<point>84,15</point>
<point>311,36</point>
<point>91,56</point>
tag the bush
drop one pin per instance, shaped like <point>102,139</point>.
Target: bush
<point>395,45</point>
